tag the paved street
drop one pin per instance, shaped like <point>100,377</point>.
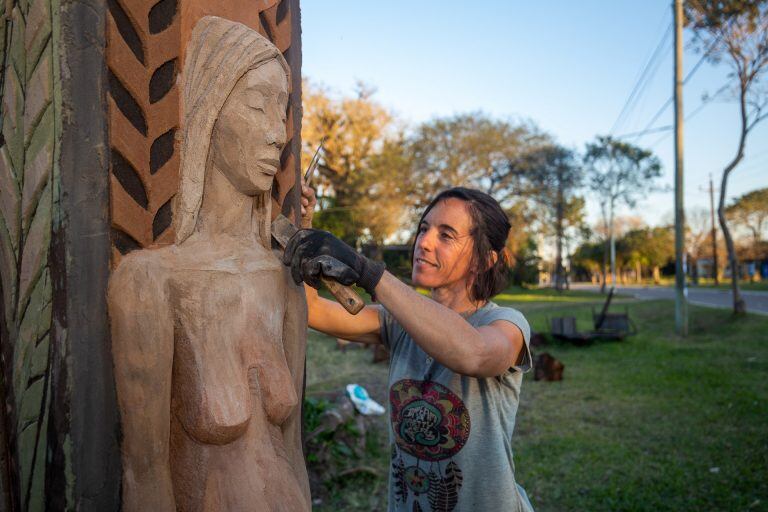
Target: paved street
<point>757,302</point>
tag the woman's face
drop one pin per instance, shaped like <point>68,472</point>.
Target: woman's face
<point>249,134</point>
<point>443,250</point>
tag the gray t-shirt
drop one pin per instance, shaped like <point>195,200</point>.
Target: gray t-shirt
<point>451,435</point>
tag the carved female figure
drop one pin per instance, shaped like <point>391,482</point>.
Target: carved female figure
<point>208,334</point>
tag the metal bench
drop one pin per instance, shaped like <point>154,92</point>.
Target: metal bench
<point>605,325</point>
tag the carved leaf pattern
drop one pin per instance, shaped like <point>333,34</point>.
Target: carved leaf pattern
<point>26,198</point>
<point>143,57</point>
<point>143,43</point>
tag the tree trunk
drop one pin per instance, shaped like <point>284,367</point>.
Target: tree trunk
<point>605,249</point>
<point>559,277</point>
<point>612,238</point>
<point>694,269</point>
<point>604,268</point>
<point>739,306</point>
<point>656,275</point>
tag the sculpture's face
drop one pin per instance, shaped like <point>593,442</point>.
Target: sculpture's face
<point>249,134</point>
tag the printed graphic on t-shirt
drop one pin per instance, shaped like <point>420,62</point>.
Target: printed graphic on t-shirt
<point>431,425</point>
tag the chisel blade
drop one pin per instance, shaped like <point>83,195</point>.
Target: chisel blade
<point>282,230</point>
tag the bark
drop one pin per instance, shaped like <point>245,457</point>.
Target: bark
<point>612,239</point>
<point>559,270</point>
<point>739,306</point>
<point>603,269</point>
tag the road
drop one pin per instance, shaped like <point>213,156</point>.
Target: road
<point>757,302</point>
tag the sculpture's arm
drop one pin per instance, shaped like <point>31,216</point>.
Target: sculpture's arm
<point>142,348</point>
<point>294,344</point>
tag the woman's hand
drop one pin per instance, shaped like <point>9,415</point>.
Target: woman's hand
<point>312,253</point>
<point>308,202</point>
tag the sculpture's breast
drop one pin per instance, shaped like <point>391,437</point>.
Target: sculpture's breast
<point>225,326</point>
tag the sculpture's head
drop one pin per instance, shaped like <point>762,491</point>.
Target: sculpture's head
<point>235,98</point>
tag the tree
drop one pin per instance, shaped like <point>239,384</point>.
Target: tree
<point>735,32</point>
<point>651,248</point>
<point>525,264</point>
<point>554,176</point>
<point>698,238</point>
<point>751,212</point>
<point>470,150</point>
<point>362,164</point>
<point>618,173</point>
<point>588,257</point>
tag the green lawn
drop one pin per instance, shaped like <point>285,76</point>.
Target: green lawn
<point>757,286</point>
<point>651,423</point>
<point>725,284</point>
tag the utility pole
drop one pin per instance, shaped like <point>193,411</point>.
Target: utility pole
<point>681,293</point>
<point>714,230</point>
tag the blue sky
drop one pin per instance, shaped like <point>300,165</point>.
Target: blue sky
<point>567,66</point>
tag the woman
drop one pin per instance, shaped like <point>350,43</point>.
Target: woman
<point>208,334</point>
<point>456,358</point>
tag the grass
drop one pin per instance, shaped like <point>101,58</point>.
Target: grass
<point>757,286</point>
<point>651,423</point>
<point>725,284</point>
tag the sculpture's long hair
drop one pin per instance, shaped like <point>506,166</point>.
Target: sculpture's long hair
<point>220,52</point>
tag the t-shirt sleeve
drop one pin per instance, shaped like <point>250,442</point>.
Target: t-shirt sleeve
<point>515,317</point>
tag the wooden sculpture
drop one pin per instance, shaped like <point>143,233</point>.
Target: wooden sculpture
<point>208,334</point>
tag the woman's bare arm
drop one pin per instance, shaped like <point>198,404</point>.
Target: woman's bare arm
<point>442,333</point>
<point>328,316</point>
<point>331,318</point>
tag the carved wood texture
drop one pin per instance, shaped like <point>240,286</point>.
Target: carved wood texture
<point>29,141</point>
<point>144,58</point>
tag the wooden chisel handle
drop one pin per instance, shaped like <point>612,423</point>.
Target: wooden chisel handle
<point>346,296</point>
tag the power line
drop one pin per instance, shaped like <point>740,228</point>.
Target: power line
<point>757,155</point>
<point>645,76</point>
<point>749,170</point>
<point>669,101</point>
<point>690,116</point>
<point>648,130</point>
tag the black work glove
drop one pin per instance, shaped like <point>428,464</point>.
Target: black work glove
<point>311,252</point>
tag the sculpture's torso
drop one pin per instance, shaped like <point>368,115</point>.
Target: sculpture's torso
<point>232,390</point>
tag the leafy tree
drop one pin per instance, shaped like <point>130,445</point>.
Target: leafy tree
<point>750,211</point>
<point>588,257</point>
<point>651,248</point>
<point>554,175</point>
<point>470,150</point>
<point>735,32</point>
<point>698,238</point>
<point>362,164</point>
<point>525,264</point>
<point>618,173</point>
